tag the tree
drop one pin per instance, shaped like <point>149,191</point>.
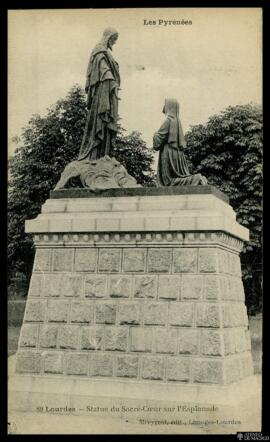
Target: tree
<point>228,151</point>
<point>48,144</point>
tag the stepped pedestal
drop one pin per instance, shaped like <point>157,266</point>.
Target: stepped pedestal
<point>136,298</point>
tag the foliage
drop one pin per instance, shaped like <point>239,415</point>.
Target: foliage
<point>48,144</point>
<point>132,153</point>
<point>228,151</point>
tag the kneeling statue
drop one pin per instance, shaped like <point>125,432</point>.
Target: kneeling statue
<point>169,141</point>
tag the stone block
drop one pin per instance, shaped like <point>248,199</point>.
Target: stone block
<point>53,362</point>
<point>63,260</point>
<point>230,263</point>
<point>81,311</point>
<point>181,314</point>
<point>91,338</point>
<point>178,369</point>
<point>208,260</point>
<point>134,260</point>
<point>129,313</point>
<point>68,336</point>
<point>232,369</point>
<point>236,289</point>
<point>234,264</point>
<point>165,340</point>
<point>192,287</point>
<point>120,286</point>
<point>209,371</point>
<point>105,313</point>
<point>188,341</point>
<point>85,260</point>
<point>109,260</point>
<point>36,225</point>
<point>141,339</point>
<point>28,362</point>
<point>60,225</point>
<point>208,315</point>
<point>224,288</point>
<point>48,336</point>
<point>246,365</point>
<point>243,315</point>
<point>212,287</point>
<point>185,260</point>
<point>159,260</point>
<point>235,315</point>
<point>95,286</point>
<point>35,286</point>
<point>116,338</point>
<point>169,286</point>
<point>182,223</point>
<point>35,311</point>
<point>107,225</point>
<point>211,343</point>
<point>153,367</point>
<point>145,286</point>
<point>157,224</point>
<point>127,366</point>
<point>57,311</point>
<point>100,364</point>
<point>240,339</point>
<point>226,316</point>
<point>232,293</point>
<point>155,313</point>
<point>42,261</point>
<point>72,285</point>
<point>52,284</point>
<point>131,224</point>
<point>239,288</point>
<point>82,225</point>
<point>223,261</point>
<point>77,363</point>
<point>29,335</point>
<point>229,341</point>
<point>54,206</point>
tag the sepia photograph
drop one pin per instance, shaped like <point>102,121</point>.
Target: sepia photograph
<point>135,157</point>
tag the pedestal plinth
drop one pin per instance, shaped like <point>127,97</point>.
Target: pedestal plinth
<point>137,292</point>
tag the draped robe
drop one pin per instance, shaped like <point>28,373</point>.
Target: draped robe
<point>169,140</point>
<point>102,81</point>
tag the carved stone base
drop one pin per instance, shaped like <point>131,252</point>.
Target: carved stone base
<point>137,290</point>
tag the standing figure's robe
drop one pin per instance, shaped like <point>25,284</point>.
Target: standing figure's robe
<point>102,82</point>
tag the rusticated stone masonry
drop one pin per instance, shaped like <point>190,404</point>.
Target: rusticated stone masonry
<point>174,313</point>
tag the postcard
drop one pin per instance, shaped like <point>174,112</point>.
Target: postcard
<point>134,230</point>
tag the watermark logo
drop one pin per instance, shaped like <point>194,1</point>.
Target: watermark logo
<point>251,436</point>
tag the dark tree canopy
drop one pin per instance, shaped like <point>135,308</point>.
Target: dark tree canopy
<point>48,144</point>
<point>228,151</point>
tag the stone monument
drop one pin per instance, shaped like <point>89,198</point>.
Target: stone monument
<point>136,297</point>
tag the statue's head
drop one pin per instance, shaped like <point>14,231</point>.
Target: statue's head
<point>171,107</point>
<point>109,38</point>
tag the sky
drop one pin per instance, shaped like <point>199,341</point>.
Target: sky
<point>208,65</point>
